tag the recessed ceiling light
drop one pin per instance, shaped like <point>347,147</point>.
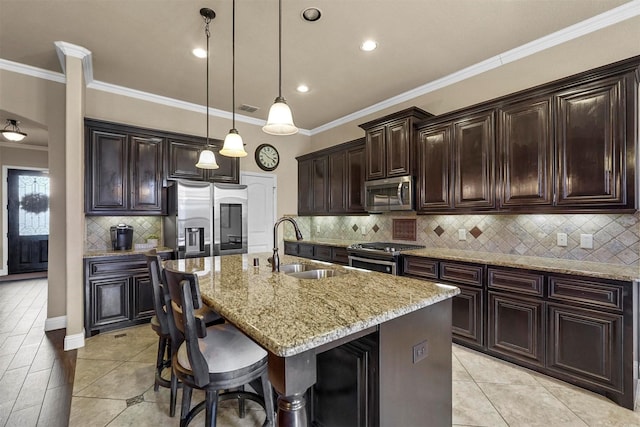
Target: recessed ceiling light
<point>199,52</point>
<point>368,45</point>
<point>311,14</point>
<point>302,88</point>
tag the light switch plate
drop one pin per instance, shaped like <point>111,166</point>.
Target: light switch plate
<point>562,239</point>
<point>462,234</point>
<point>586,241</point>
<point>363,230</point>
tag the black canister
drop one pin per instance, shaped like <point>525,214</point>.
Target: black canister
<point>121,237</point>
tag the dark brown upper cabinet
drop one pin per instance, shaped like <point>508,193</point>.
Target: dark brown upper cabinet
<point>389,144</point>
<point>434,168</point>
<point>331,181</point>
<point>184,152</point>
<point>123,172</point>
<point>474,161</point>
<point>590,136</point>
<point>525,153</point>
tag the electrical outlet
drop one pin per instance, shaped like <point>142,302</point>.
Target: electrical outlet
<point>562,239</point>
<point>420,351</point>
<point>318,229</point>
<point>363,229</point>
<point>586,241</point>
<point>462,234</point>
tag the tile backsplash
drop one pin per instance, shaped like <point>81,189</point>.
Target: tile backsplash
<point>616,237</point>
<point>99,237</point>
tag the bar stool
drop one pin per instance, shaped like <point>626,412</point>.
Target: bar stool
<point>214,358</point>
<point>160,324</point>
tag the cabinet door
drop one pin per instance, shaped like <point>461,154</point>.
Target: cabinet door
<point>337,178</point>
<point>355,179</point>
<point>182,158</point>
<point>305,250</point>
<point>339,255</point>
<point>304,187</point>
<point>398,147</point>
<point>107,162</point>
<point>109,301</point>
<point>434,168</point>
<point>228,170</point>
<point>146,173</point>
<point>586,345</point>
<point>375,153</point>
<point>526,154</point>
<point>474,146</point>
<point>590,130</point>
<point>142,298</point>
<point>319,184</point>
<point>516,328</point>
<point>322,253</point>
<point>467,317</point>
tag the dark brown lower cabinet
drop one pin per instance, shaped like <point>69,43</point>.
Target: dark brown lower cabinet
<point>467,317</point>
<point>335,254</point>
<point>516,328</point>
<point>346,390</point>
<point>117,292</point>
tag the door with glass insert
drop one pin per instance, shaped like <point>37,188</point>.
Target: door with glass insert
<point>28,221</point>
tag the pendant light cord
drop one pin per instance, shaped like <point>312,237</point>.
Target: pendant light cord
<point>208,33</point>
<point>279,48</point>
<point>233,66</point>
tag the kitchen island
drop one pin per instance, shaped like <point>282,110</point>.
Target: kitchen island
<point>295,319</point>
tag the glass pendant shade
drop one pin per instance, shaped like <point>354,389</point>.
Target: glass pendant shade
<point>280,120</point>
<point>12,132</point>
<point>207,160</point>
<point>233,145</point>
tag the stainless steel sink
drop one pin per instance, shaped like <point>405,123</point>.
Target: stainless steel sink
<point>295,268</point>
<point>321,273</point>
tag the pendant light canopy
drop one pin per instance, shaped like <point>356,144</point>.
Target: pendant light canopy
<point>207,158</point>
<point>233,145</point>
<point>12,132</point>
<point>280,120</point>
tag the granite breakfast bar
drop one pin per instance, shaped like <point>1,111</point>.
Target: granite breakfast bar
<point>296,319</point>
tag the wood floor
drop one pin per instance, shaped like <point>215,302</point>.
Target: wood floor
<point>36,374</point>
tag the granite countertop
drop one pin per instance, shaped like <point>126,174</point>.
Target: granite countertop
<point>553,265</point>
<point>329,242</point>
<point>288,316</point>
<point>94,254</point>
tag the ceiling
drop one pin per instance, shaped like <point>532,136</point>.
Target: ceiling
<point>146,45</point>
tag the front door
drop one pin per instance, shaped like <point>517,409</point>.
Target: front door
<point>27,220</point>
<point>262,202</point>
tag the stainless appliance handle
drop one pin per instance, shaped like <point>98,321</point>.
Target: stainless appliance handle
<point>400,199</point>
<point>373,261</point>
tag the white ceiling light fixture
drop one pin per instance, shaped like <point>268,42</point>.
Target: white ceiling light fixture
<point>302,88</point>
<point>368,45</point>
<point>199,52</point>
<point>207,159</point>
<point>233,144</point>
<point>280,120</point>
<point>12,132</point>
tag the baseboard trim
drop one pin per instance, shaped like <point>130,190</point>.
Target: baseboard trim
<point>71,342</point>
<point>53,323</point>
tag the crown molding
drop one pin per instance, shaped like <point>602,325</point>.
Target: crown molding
<point>64,49</point>
<point>28,70</point>
<point>595,23</point>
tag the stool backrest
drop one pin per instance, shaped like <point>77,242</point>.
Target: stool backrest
<point>185,300</point>
<point>154,263</point>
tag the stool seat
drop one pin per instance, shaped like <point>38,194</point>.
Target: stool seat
<point>155,325</point>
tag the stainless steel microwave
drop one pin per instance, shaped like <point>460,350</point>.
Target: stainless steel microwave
<point>391,194</point>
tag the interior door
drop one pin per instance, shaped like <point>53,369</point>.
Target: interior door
<point>27,220</point>
<point>262,202</point>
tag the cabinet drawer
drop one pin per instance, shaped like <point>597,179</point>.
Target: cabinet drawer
<point>339,255</point>
<point>290,248</point>
<point>305,251</point>
<point>585,291</point>
<point>467,274</point>
<point>421,267</point>
<point>116,265</point>
<point>516,281</point>
<point>322,253</point>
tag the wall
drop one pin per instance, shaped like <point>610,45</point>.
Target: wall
<point>99,235</point>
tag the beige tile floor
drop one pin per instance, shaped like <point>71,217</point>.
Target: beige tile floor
<point>114,386</point>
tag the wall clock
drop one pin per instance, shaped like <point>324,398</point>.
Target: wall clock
<point>267,157</point>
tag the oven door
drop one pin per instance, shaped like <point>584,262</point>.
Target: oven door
<point>382,266</point>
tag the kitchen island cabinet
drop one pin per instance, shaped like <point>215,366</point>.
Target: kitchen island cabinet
<point>295,320</point>
<point>572,320</point>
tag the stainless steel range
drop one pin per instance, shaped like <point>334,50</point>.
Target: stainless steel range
<point>378,256</point>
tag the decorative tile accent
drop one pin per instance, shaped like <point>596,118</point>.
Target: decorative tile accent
<point>475,232</point>
<point>404,229</point>
<point>438,230</point>
<point>354,228</point>
<point>376,228</point>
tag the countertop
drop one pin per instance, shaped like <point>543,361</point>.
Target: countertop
<point>553,265</point>
<point>329,242</point>
<point>94,254</point>
<point>288,316</point>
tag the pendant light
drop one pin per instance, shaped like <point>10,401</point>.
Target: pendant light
<point>12,132</point>
<point>207,159</point>
<point>280,120</point>
<point>233,145</point>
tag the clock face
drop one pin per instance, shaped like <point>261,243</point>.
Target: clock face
<point>267,157</point>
